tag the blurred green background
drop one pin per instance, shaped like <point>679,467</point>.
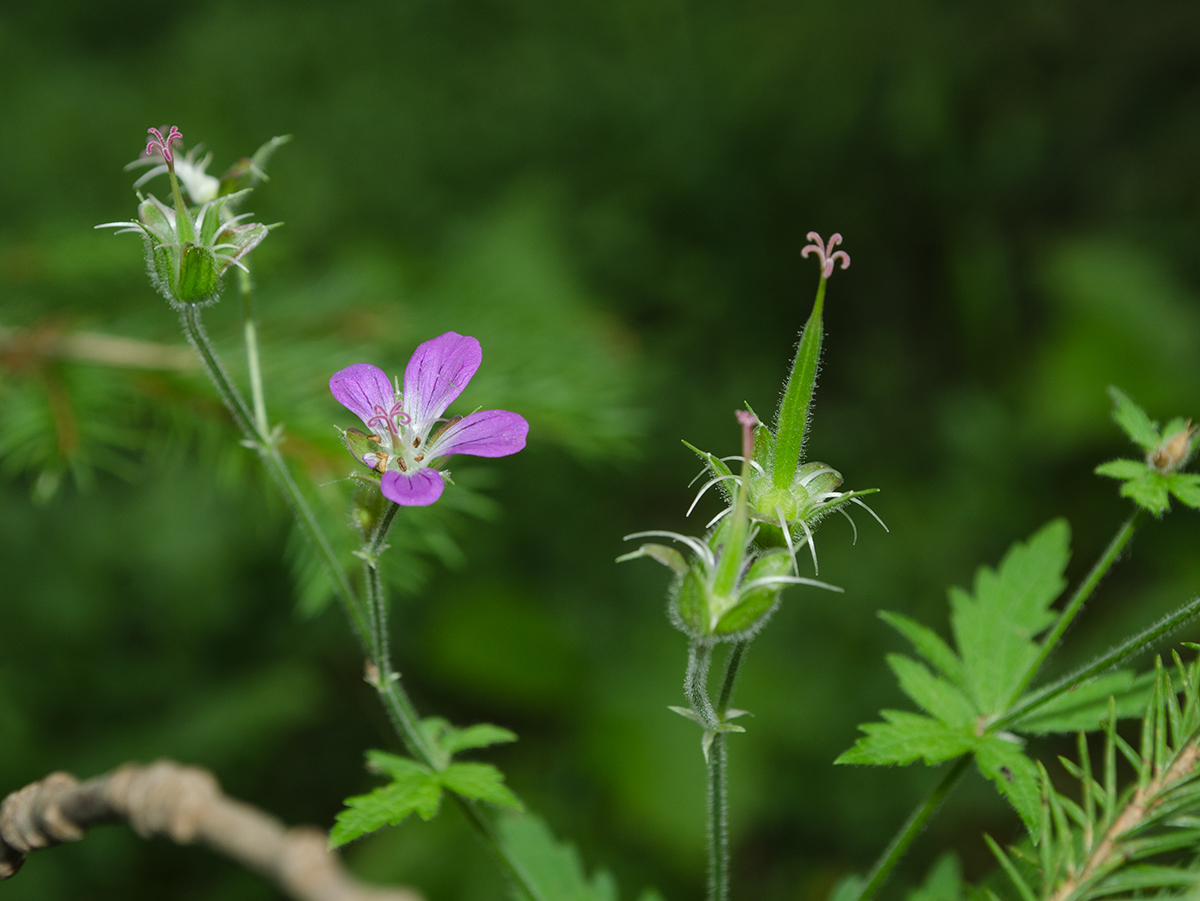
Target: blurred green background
<point>612,196</point>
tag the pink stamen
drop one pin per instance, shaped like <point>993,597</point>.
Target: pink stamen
<point>163,145</point>
<point>825,252</point>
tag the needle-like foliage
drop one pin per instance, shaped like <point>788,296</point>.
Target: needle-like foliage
<point>1137,841</point>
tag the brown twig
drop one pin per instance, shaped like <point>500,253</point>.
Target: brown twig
<point>92,347</point>
<point>186,805</point>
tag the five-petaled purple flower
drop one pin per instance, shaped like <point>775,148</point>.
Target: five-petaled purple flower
<point>406,439</point>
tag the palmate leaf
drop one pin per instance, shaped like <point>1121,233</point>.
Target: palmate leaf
<point>995,626</point>
<point>413,789</point>
<point>1132,419</point>
<point>904,737</point>
<point>416,788</point>
<point>968,690</point>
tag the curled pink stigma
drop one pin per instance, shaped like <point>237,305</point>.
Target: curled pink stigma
<point>825,252</point>
<point>389,419</point>
<point>159,144</point>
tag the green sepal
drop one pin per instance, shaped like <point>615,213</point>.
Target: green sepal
<point>754,606</point>
<point>660,553</point>
<point>359,444</point>
<point>689,603</point>
<point>198,274</point>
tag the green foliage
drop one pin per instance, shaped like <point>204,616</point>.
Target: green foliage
<point>974,685</point>
<point>416,788</point>
<point>1150,484</point>
<point>1140,839</point>
<point>554,867</point>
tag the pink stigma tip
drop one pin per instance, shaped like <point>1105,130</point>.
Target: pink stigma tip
<point>161,145</point>
<point>825,252</point>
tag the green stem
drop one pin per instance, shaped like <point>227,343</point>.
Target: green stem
<point>695,683</point>
<point>1082,593</point>
<point>407,722</point>
<point>250,336</point>
<point>371,634</point>
<point>731,669</point>
<point>718,784</point>
<point>911,829</point>
<point>718,821</point>
<point>1126,650</point>
<point>193,328</point>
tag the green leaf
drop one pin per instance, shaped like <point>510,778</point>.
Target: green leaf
<point>944,881</point>
<point>479,736</point>
<point>1150,492</point>
<point>1015,776</point>
<point>904,737</point>
<point>1132,879</point>
<point>393,765</point>
<point>553,867</point>
<point>1122,469</point>
<point>933,695</point>
<point>1186,487</point>
<point>1085,708</point>
<point>928,644</point>
<point>419,791</point>
<point>1133,420</point>
<point>995,628</point>
<point>480,781</point>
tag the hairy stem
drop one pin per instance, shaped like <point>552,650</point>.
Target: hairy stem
<point>695,683</point>
<point>895,851</point>
<point>407,722</point>
<point>718,808</point>
<point>1126,650</point>
<point>718,821</point>
<point>1082,593</point>
<point>193,328</point>
<point>370,629</point>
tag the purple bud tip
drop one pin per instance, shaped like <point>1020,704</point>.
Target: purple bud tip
<point>825,252</point>
<point>159,144</point>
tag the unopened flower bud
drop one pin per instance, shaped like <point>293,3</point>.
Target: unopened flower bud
<point>1174,450</point>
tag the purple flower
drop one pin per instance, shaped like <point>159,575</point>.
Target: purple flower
<point>406,439</point>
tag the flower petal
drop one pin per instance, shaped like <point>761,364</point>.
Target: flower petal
<point>487,433</point>
<point>420,489</point>
<point>362,387</point>
<point>437,373</point>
